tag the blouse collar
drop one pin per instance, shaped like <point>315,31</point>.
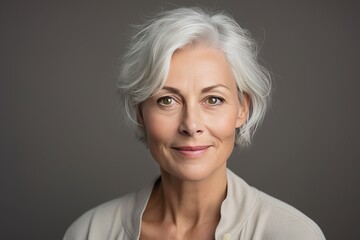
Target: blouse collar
<point>240,201</point>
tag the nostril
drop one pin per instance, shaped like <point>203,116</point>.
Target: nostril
<point>190,132</point>
<point>185,132</point>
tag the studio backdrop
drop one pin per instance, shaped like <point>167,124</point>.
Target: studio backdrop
<point>64,147</point>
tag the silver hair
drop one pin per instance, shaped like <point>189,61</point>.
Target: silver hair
<point>147,61</point>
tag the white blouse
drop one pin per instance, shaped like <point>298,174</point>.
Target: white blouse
<point>246,214</point>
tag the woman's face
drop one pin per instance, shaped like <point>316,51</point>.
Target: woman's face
<point>190,123</point>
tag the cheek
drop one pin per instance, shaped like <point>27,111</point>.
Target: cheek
<point>223,126</point>
<point>158,128</point>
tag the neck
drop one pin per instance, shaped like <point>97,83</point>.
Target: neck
<point>190,203</point>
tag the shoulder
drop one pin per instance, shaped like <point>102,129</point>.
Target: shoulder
<point>282,221</point>
<point>116,219</point>
<point>257,215</point>
<point>101,221</point>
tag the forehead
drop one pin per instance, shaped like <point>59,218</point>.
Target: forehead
<point>201,65</point>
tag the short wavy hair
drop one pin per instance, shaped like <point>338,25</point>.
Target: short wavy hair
<point>146,64</point>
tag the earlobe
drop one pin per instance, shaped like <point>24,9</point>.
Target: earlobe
<point>243,110</point>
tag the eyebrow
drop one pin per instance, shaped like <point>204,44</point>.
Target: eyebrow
<point>171,89</point>
<point>207,89</point>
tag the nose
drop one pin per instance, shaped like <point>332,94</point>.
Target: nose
<point>191,123</point>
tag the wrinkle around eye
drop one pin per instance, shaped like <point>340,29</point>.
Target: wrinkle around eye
<point>167,102</point>
<point>219,101</point>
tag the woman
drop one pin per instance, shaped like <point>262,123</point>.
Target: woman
<point>191,85</point>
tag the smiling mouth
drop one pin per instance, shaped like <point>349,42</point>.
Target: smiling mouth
<point>191,151</point>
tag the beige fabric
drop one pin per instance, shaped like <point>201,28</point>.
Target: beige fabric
<point>247,213</point>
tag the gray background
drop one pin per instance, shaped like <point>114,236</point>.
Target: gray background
<point>64,148</point>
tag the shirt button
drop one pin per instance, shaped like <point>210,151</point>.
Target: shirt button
<point>226,237</point>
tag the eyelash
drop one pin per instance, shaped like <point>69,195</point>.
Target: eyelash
<point>219,100</point>
<point>160,101</point>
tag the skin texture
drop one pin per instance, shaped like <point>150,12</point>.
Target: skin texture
<point>190,127</point>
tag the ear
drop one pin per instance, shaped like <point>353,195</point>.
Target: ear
<point>139,116</point>
<point>243,110</point>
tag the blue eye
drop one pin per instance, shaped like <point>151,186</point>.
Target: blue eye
<point>214,100</point>
<point>165,101</point>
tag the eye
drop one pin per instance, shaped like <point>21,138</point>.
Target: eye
<point>166,101</point>
<point>212,100</point>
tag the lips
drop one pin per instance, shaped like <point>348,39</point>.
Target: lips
<point>192,151</point>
